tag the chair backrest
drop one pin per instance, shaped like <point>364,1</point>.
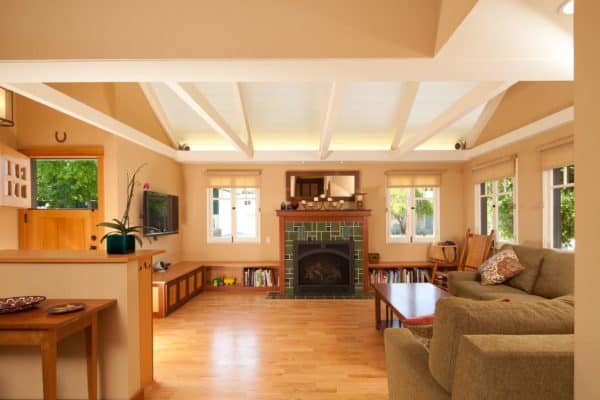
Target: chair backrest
<point>475,250</point>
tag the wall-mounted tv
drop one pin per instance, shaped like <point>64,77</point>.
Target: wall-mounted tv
<point>161,214</point>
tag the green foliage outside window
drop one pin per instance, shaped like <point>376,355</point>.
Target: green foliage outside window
<point>567,217</point>
<point>399,204</point>
<point>66,183</point>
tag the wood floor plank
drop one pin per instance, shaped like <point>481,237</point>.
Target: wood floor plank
<point>243,346</point>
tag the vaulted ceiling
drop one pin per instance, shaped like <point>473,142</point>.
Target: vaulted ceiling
<point>497,71</point>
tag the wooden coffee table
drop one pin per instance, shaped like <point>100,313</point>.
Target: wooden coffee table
<point>405,300</point>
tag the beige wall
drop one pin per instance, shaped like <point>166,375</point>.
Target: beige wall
<point>36,127</point>
<point>9,238</point>
<point>181,29</point>
<point>195,246</point>
<point>587,223</point>
<point>529,181</point>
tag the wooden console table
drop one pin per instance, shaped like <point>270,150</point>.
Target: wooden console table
<point>37,328</point>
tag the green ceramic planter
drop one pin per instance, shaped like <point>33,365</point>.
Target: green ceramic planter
<point>120,244</point>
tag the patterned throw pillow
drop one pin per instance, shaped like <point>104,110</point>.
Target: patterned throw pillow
<point>500,267</point>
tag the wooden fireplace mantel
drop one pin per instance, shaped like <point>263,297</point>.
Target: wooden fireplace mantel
<point>324,215</point>
<point>358,215</point>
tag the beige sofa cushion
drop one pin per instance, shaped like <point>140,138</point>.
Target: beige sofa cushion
<point>557,274</point>
<point>475,290</point>
<point>455,317</point>
<point>531,258</point>
<point>501,367</point>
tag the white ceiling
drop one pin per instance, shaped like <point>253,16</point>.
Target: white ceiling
<point>349,106</point>
<point>289,116</point>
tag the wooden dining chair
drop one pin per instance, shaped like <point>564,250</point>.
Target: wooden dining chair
<point>475,250</point>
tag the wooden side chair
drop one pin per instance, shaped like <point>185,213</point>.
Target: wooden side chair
<point>475,250</point>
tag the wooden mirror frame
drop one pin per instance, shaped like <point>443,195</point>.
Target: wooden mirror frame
<point>318,174</point>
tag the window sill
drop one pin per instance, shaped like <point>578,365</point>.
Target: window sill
<point>407,241</point>
<point>234,242</point>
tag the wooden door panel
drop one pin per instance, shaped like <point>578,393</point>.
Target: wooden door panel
<point>57,229</point>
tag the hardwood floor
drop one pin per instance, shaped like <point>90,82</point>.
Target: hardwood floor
<point>243,346</point>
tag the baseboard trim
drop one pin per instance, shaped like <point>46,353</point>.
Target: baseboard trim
<point>139,395</point>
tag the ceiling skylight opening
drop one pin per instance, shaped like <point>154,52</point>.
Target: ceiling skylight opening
<point>567,8</point>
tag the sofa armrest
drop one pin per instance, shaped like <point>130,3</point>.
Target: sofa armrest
<point>499,367</point>
<point>407,368</point>
<point>455,276</point>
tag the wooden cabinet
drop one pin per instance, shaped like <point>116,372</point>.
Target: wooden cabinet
<point>145,310</point>
<point>15,171</point>
<point>173,288</point>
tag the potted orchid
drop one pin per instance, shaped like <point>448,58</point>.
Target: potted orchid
<point>123,236</point>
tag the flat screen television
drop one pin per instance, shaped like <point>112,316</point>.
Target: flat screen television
<point>161,214</point>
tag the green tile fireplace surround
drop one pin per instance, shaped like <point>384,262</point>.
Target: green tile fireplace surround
<point>322,226</point>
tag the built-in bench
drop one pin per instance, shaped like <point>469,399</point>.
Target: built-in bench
<point>184,280</point>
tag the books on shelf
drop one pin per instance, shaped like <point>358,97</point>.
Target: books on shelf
<point>406,275</point>
<point>258,277</point>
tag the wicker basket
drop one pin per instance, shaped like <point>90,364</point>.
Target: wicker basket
<point>373,258</point>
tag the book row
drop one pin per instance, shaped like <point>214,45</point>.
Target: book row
<point>407,275</point>
<point>258,277</point>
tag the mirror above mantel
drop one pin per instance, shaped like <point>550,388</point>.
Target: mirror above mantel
<point>305,185</point>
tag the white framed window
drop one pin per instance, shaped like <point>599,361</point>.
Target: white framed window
<point>495,209</point>
<point>412,214</point>
<point>234,215</point>
<point>559,208</point>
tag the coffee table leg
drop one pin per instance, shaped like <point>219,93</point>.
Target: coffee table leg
<point>91,347</point>
<point>377,310</point>
<point>48,347</point>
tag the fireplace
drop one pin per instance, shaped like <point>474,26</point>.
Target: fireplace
<point>323,267</point>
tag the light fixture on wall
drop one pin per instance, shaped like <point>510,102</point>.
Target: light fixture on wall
<point>6,108</point>
<point>567,8</point>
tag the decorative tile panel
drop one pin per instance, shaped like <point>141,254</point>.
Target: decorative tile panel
<point>323,231</point>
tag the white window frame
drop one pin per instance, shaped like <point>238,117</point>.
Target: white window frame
<point>411,236</point>
<point>233,239</point>
<point>495,196</point>
<point>548,213</point>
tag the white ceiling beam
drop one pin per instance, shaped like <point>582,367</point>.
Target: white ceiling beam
<point>485,116</point>
<point>239,101</point>
<point>406,105</point>
<point>190,94</point>
<point>534,128</point>
<point>159,111</point>
<point>332,108</point>
<point>481,93</point>
<point>59,101</point>
<point>317,70</point>
<point>314,156</point>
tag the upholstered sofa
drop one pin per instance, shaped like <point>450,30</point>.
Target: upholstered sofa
<point>548,274</point>
<point>486,350</point>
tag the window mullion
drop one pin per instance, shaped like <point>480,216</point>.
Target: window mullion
<point>495,197</point>
<point>234,237</point>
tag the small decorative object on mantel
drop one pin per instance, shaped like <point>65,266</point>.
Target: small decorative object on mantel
<point>123,237</point>
<point>360,198</point>
<point>282,206</point>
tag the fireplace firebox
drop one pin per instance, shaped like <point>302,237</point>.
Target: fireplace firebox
<point>324,267</point>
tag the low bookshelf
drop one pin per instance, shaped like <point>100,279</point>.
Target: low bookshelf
<point>184,280</point>
<point>405,272</point>
<point>249,276</point>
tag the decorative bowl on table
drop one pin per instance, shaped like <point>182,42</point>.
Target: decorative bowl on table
<point>19,303</point>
